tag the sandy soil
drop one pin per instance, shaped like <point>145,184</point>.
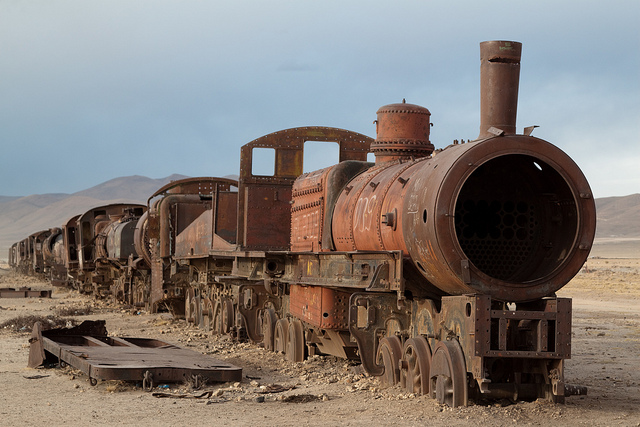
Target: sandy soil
<point>606,349</point>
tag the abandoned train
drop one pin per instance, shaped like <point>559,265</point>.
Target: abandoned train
<point>435,270</point>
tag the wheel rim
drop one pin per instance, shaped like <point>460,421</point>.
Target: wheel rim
<point>295,344</point>
<point>388,355</point>
<point>197,310</point>
<point>417,358</point>
<point>217,318</point>
<point>448,374</point>
<point>207,318</point>
<point>227,316</point>
<point>280,336</point>
<point>268,328</point>
<point>188,307</point>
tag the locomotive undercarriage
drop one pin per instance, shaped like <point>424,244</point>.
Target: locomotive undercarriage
<point>469,347</point>
<point>453,349</point>
<point>57,275</point>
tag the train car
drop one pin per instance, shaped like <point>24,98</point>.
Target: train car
<point>99,248</point>
<point>21,256</point>
<point>54,257</point>
<point>12,259</point>
<point>70,252</point>
<point>177,209</point>
<point>38,266</point>
<point>219,250</point>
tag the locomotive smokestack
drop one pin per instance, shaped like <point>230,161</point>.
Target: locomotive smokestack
<point>499,78</point>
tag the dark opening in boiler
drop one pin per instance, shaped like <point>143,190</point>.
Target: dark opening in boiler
<point>516,218</point>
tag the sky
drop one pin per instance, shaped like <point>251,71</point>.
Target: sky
<point>94,90</point>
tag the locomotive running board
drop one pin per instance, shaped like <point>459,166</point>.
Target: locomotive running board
<point>88,348</point>
<point>24,293</point>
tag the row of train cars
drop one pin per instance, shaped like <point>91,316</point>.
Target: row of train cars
<point>436,270</point>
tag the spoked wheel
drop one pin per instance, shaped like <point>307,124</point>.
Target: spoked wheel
<point>227,316</point>
<point>207,315</point>
<point>269,320</point>
<point>417,362</point>
<point>388,355</point>
<point>295,344</point>
<point>281,336</point>
<point>448,374</point>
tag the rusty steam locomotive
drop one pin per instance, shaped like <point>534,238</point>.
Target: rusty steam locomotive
<point>436,270</point>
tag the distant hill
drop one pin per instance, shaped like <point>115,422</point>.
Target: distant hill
<point>8,198</point>
<point>134,187</point>
<point>22,216</point>
<point>618,217</point>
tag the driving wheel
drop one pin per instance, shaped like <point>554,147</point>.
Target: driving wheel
<point>448,374</point>
<point>388,355</point>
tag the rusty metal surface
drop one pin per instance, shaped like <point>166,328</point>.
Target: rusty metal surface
<point>264,215</point>
<point>182,202</point>
<point>518,197</point>
<point>368,215</point>
<point>402,132</point>
<point>141,238</point>
<point>499,79</point>
<point>12,259</point>
<point>320,307</point>
<point>313,202</point>
<point>198,185</point>
<point>24,292</point>
<point>69,231</point>
<point>91,224</point>
<point>36,255</point>
<point>181,225</point>
<point>214,229</point>
<point>53,250</point>
<point>88,348</point>
<point>509,349</point>
<point>361,270</point>
<point>119,242</point>
<point>512,217</point>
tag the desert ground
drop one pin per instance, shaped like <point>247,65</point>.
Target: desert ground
<point>322,390</point>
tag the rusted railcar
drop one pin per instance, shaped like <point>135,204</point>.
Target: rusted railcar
<point>176,212</point>
<point>70,252</point>
<point>26,256</point>
<point>100,252</point>
<point>54,257</point>
<point>12,259</point>
<point>437,269</point>
<point>223,252</point>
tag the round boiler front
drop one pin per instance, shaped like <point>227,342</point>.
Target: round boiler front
<point>512,217</point>
<point>516,218</point>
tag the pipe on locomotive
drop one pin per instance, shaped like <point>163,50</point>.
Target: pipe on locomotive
<point>499,81</point>
<point>511,216</point>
